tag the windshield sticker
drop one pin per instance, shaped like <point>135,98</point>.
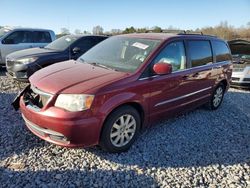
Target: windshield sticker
<point>140,45</point>
<point>68,39</point>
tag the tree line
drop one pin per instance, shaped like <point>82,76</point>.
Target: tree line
<point>222,30</point>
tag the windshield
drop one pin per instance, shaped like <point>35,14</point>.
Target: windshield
<point>3,31</point>
<point>62,43</point>
<point>120,53</point>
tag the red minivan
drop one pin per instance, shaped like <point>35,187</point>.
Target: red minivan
<point>122,85</point>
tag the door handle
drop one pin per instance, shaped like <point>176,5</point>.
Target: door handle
<point>195,75</point>
<point>185,77</point>
<point>218,67</point>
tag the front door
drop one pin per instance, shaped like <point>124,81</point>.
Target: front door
<point>179,90</point>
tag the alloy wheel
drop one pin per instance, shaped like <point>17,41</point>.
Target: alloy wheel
<point>218,95</point>
<point>123,130</point>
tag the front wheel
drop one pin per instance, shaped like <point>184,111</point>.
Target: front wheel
<point>217,97</point>
<point>120,129</point>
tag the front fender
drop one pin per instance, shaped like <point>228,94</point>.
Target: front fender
<point>122,99</point>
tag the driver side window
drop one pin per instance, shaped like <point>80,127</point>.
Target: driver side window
<point>19,37</point>
<point>85,43</point>
<point>173,53</point>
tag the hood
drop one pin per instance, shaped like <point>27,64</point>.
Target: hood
<point>31,52</point>
<point>73,77</point>
<point>240,47</point>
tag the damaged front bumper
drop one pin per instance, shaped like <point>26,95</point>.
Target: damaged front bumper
<point>16,101</point>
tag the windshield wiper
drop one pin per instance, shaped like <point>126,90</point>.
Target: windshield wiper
<point>102,66</point>
<point>82,60</point>
<point>47,48</point>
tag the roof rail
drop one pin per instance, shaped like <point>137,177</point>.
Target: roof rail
<point>175,31</point>
<point>185,32</point>
<point>179,32</point>
<point>188,32</point>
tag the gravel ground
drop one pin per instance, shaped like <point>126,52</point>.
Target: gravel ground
<point>199,149</point>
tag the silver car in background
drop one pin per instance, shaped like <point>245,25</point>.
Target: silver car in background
<point>14,39</point>
<point>241,63</point>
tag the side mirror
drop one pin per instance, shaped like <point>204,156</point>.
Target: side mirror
<point>8,41</point>
<point>162,68</point>
<point>76,50</point>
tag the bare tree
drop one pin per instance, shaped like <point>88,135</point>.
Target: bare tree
<point>97,30</point>
<point>78,31</point>
<point>65,31</point>
<point>248,24</point>
<point>86,32</point>
<point>115,31</point>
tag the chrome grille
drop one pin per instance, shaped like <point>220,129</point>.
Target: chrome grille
<point>10,63</point>
<point>239,67</point>
<point>246,79</point>
<point>235,79</point>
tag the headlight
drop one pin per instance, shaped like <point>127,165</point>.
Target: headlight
<point>74,102</point>
<point>248,72</point>
<point>26,60</point>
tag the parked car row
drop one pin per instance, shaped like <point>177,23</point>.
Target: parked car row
<point>22,64</point>
<point>121,85</point>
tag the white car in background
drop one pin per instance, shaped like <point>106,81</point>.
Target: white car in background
<point>14,39</point>
<point>241,63</point>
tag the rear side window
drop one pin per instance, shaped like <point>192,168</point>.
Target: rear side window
<point>200,53</point>
<point>99,39</point>
<point>42,37</point>
<point>221,50</point>
<point>19,37</point>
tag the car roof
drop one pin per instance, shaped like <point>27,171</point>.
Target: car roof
<point>156,36</point>
<point>26,28</point>
<point>85,35</point>
<point>165,36</point>
<point>78,36</point>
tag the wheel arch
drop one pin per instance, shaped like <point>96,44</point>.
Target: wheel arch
<point>136,105</point>
<point>225,84</point>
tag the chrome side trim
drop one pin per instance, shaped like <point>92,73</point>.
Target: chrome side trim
<point>181,97</point>
<point>145,78</point>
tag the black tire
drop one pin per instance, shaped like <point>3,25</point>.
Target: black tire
<point>212,105</point>
<point>108,127</point>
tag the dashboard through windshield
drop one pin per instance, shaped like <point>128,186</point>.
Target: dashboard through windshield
<point>120,53</point>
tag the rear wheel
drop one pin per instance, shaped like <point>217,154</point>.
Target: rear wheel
<point>217,97</point>
<point>120,129</point>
